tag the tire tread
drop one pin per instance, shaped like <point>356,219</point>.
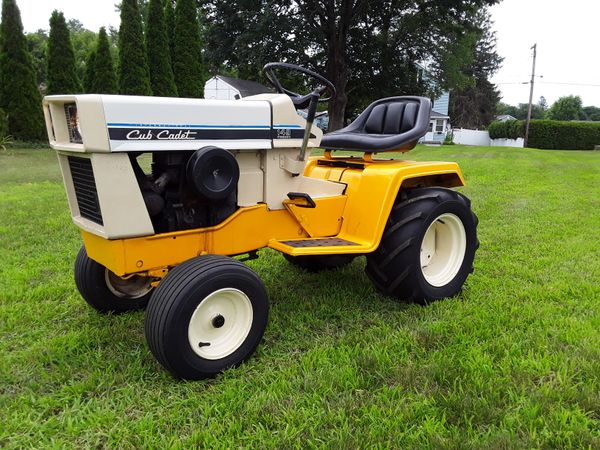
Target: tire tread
<point>390,267</point>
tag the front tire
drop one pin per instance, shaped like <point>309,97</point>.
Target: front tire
<point>428,246</point>
<point>106,292</point>
<point>207,315</point>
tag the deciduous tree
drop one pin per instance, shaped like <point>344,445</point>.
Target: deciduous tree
<point>538,111</point>
<point>566,108</point>
<point>37,43</point>
<point>592,113</point>
<point>367,48</point>
<point>83,41</point>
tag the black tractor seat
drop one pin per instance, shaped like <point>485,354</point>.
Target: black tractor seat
<point>389,124</point>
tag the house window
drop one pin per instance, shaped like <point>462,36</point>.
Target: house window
<point>440,126</point>
<point>431,124</point>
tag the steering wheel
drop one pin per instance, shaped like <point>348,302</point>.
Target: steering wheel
<point>299,100</point>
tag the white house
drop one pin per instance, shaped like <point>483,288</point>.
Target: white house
<point>439,124</point>
<point>505,118</point>
<point>220,87</point>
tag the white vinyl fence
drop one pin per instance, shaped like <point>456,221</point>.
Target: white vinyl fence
<point>471,137</point>
<point>482,139</point>
<point>507,142</point>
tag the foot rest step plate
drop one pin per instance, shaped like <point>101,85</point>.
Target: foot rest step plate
<point>321,242</point>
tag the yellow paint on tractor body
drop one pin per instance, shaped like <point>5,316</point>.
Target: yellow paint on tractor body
<point>359,216</point>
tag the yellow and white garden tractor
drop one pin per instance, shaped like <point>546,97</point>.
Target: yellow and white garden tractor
<point>228,178</point>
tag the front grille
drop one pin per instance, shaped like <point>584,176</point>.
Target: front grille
<point>85,189</point>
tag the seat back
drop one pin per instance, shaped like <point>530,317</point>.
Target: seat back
<point>389,124</point>
<point>392,118</point>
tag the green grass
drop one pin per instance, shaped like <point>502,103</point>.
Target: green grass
<point>513,362</point>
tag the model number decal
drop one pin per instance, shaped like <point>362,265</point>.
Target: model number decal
<point>284,133</point>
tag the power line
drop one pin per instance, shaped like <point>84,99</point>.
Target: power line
<point>520,82</point>
<point>555,82</point>
<point>569,84</point>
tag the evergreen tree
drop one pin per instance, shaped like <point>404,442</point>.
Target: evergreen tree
<point>19,95</point>
<point>170,25</point>
<point>104,80</point>
<point>157,46</point>
<point>134,78</point>
<point>88,81</point>
<point>475,105</point>
<point>187,65</point>
<point>62,75</point>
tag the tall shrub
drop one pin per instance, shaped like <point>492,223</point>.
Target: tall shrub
<point>19,95</point>
<point>88,81</point>
<point>557,135</point>
<point>187,64</point>
<point>170,26</point>
<point>104,80</point>
<point>134,78</point>
<point>62,75</point>
<point>157,47</point>
<point>509,129</point>
<point>497,130</point>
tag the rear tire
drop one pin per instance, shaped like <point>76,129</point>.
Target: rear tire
<point>317,263</point>
<point>428,246</point>
<point>106,292</point>
<point>207,315</point>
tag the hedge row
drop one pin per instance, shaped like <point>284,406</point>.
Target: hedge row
<point>556,135</point>
<point>511,129</point>
<point>550,134</point>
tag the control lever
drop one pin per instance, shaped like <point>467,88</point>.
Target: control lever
<point>310,117</point>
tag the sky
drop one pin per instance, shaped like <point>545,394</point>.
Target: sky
<point>93,14</point>
<point>566,33</point>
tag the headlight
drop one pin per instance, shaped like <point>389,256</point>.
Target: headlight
<point>73,123</point>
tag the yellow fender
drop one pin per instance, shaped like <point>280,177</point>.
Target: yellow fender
<point>372,187</point>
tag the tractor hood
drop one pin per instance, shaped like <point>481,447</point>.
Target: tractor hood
<point>122,123</point>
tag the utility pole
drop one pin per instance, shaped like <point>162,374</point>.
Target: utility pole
<point>530,97</point>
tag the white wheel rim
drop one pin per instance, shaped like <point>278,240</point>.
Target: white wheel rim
<point>220,324</point>
<point>130,288</point>
<point>443,250</point>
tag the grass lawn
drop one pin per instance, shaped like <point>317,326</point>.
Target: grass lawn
<point>513,362</point>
